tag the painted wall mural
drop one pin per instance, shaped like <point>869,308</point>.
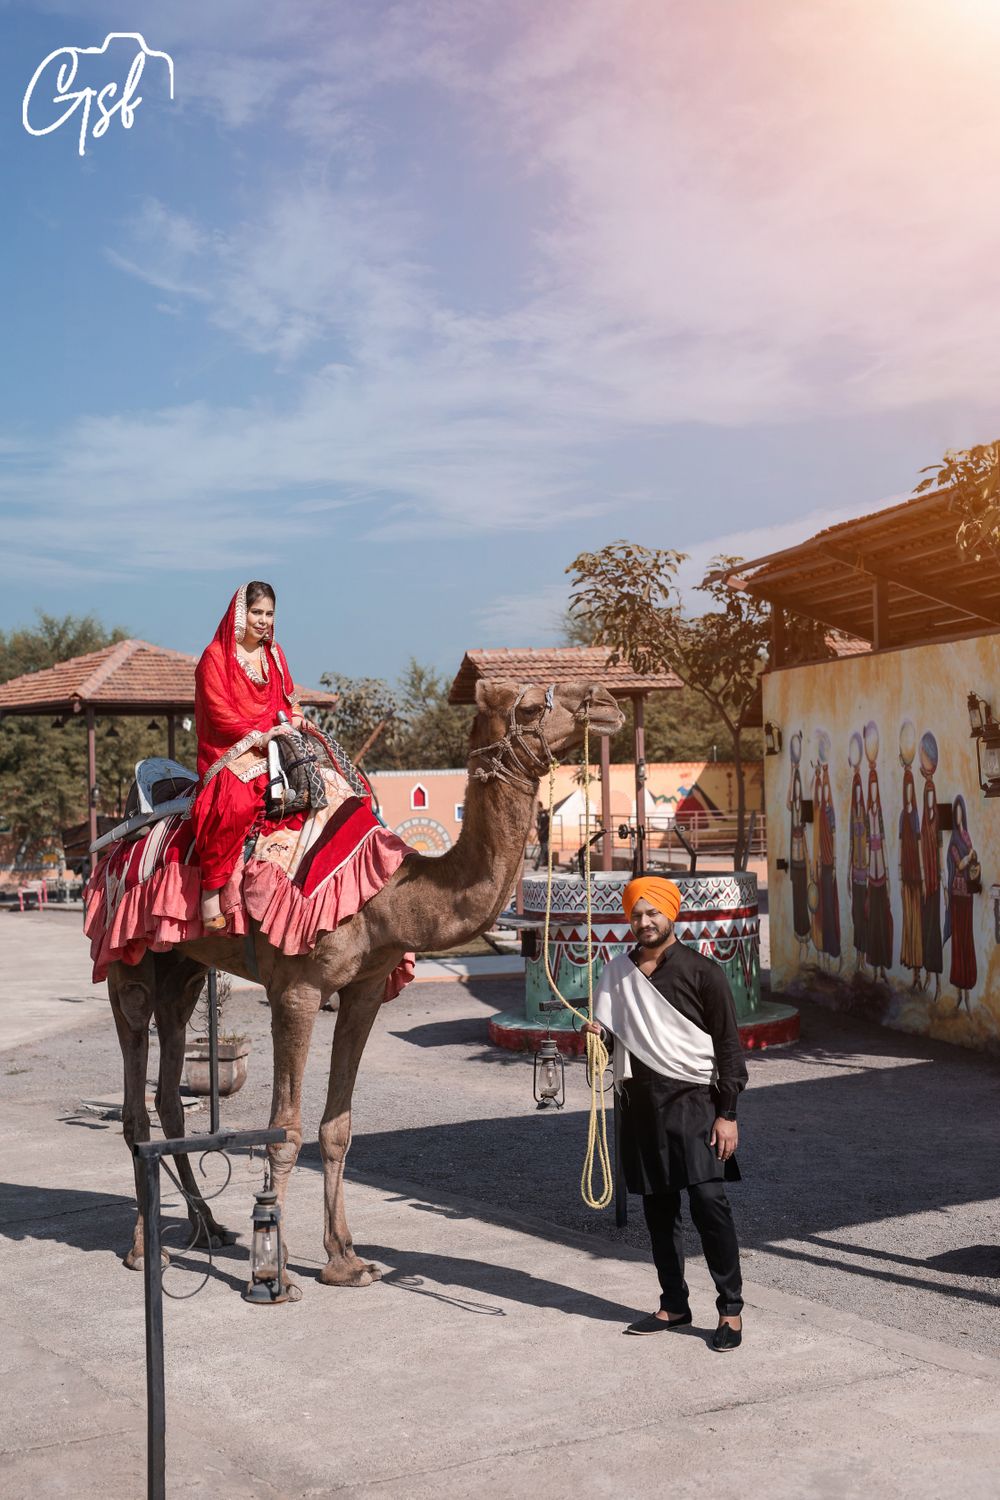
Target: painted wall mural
<point>881,841</point>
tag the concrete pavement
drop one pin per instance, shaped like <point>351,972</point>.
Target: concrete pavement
<point>489,1361</point>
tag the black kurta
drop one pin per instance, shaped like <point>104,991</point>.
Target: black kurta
<point>666,1123</point>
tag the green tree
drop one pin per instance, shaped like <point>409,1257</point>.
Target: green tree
<point>43,768</point>
<point>628,595</point>
<point>971,479</point>
<point>680,724</point>
<point>364,705</point>
<point>434,733</point>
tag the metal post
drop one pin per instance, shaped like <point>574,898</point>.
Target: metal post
<point>152,1276</point>
<point>213,1050</point>
<point>171,737</point>
<point>639,722</point>
<point>607,817</point>
<point>91,781</point>
<point>621,1191</point>
<point>149,1153</point>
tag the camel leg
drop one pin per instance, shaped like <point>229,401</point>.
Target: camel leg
<point>131,993</point>
<point>179,982</point>
<point>359,1005</point>
<point>293,1012</point>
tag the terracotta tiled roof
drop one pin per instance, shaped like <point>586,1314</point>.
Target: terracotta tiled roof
<point>540,666</point>
<point>129,677</point>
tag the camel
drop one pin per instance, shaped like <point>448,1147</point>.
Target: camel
<point>428,903</point>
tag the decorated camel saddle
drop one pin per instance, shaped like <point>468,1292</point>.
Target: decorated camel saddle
<point>302,875</point>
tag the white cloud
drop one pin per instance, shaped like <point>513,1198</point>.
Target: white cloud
<point>530,619</point>
<point>750,214</point>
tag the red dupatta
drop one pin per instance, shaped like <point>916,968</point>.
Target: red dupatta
<point>227,703</point>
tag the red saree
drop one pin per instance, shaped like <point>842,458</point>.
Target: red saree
<point>230,704</point>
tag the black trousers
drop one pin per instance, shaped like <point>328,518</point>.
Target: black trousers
<point>713,1219</point>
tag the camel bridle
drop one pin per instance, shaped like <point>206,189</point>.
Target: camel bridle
<point>512,759</point>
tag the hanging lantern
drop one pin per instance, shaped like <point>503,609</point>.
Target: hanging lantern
<point>772,738</point>
<point>550,1075</point>
<point>265,1249</point>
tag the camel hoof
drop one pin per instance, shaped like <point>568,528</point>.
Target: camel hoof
<point>135,1262</point>
<point>349,1273</point>
<point>218,1236</point>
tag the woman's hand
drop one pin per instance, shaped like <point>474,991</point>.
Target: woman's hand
<point>278,730</point>
<point>297,721</point>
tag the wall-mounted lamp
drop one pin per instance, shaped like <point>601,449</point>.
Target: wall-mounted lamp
<point>980,713</point>
<point>772,739</point>
<point>986,733</point>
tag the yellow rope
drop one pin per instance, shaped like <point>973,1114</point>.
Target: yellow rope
<point>597,1052</point>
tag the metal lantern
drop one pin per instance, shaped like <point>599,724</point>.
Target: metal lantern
<point>979,713</point>
<point>988,755</point>
<point>265,1249</point>
<point>550,1075</point>
<point>772,738</point>
<point>986,733</point>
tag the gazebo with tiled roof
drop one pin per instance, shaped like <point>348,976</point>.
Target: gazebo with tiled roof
<point>128,679</point>
<point>542,666</point>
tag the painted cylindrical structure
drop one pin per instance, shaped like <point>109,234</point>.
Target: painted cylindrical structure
<point>718,916</point>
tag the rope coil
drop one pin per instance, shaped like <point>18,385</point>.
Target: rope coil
<point>597,1053</point>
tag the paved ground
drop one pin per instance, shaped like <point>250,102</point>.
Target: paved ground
<point>489,1361</point>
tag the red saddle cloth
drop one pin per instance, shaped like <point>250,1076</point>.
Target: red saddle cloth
<point>305,876</point>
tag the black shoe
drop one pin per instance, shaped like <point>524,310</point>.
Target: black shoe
<point>653,1324</point>
<point>727,1337</point>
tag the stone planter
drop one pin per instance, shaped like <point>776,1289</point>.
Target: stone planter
<point>232,1066</point>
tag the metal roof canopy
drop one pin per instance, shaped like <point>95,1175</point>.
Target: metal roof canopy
<point>543,666</point>
<point>127,679</point>
<point>895,578</point>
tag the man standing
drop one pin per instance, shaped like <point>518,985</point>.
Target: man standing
<point>668,1014</point>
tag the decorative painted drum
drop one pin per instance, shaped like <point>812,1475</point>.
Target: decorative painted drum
<point>718,916</point>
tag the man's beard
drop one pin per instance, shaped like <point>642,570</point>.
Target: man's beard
<point>658,941</point>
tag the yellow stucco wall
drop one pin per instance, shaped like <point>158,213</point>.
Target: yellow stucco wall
<point>917,701</point>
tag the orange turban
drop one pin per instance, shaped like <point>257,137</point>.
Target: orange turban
<point>662,894</point>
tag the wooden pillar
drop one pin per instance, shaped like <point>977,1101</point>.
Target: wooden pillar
<point>880,614</point>
<point>171,737</point>
<point>779,636</point>
<point>91,778</point>
<point>607,817</point>
<point>639,754</point>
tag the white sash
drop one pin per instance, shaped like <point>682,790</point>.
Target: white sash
<point>631,1007</point>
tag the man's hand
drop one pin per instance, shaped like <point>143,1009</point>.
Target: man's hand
<point>592,1027</point>
<point>725,1138</point>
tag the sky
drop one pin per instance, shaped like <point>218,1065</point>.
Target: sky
<point>402,306</point>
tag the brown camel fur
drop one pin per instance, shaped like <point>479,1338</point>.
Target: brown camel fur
<point>429,903</point>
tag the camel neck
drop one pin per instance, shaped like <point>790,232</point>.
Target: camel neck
<point>486,861</point>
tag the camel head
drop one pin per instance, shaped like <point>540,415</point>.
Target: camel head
<point>519,730</point>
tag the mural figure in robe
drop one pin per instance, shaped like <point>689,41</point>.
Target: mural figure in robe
<point>857,874</point>
<point>815,886</point>
<point>930,861</point>
<point>829,896</point>
<point>963,879</point>
<point>911,947</point>
<point>797,862</point>
<point>879,910</point>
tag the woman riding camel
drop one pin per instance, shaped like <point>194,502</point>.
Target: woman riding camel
<point>241,685</point>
